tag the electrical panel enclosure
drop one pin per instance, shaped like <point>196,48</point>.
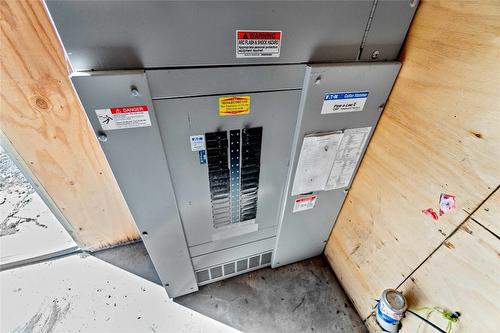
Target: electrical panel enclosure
<point>234,129</point>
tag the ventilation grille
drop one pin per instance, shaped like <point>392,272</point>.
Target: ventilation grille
<point>226,270</point>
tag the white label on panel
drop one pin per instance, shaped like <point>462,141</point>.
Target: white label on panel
<point>304,203</point>
<point>344,102</point>
<point>197,142</point>
<point>315,162</point>
<point>258,43</point>
<point>347,157</point>
<point>123,117</point>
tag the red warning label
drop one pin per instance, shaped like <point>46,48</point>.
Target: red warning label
<point>304,203</point>
<point>126,109</point>
<point>257,43</point>
<point>123,117</point>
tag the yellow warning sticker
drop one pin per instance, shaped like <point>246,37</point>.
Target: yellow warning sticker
<point>234,105</point>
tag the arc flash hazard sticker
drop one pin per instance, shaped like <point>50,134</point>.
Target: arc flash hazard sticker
<point>258,43</point>
<point>123,117</point>
<point>234,105</point>
<point>304,203</point>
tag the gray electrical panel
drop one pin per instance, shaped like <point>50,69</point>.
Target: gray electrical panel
<point>234,129</point>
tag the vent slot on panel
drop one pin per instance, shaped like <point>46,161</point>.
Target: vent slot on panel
<point>266,258</point>
<point>215,272</point>
<point>254,262</point>
<point>229,269</point>
<point>240,266</point>
<point>202,276</point>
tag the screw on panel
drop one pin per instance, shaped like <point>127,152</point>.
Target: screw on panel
<point>135,92</point>
<point>102,137</point>
<point>318,81</point>
<point>144,233</point>
<point>375,54</point>
<point>413,3</point>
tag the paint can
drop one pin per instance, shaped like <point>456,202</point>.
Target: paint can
<point>390,310</point>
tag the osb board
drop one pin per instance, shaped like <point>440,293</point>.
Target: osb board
<point>438,133</point>
<point>462,275</point>
<point>43,120</point>
<point>488,215</point>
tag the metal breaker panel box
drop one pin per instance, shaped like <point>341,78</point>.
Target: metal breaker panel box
<point>234,129</point>
<point>110,35</point>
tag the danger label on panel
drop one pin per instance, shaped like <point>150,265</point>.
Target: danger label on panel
<point>257,43</point>
<point>123,117</point>
<point>234,105</point>
<point>304,203</point>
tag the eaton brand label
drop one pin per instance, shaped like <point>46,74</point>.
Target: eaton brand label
<point>258,43</point>
<point>197,142</point>
<point>344,102</point>
<point>123,117</point>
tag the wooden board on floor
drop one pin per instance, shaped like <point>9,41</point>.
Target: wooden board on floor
<point>443,282</point>
<point>438,133</point>
<point>372,325</point>
<point>43,120</point>
<point>488,214</point>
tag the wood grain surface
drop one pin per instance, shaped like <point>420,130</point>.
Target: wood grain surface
<point>41,117</point>
<point>462,275</point>
<point>439,133</point>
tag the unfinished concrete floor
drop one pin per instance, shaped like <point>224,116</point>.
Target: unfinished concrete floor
<point>28,229</point>
<point>118,290</point>
<point>80,293</point>
<point>302,297</point>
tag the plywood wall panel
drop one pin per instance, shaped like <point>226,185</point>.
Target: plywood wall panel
<point>443,282</point>
<point>488,215</point>
<point>41,117</point>
<point>438,133</point>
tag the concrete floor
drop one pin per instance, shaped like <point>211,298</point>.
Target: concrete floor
<point>80,293</point>
<point>302,297</point>
<point>28,229</point>
<point>118,290</point>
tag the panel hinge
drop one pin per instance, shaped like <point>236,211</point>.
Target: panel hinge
<point>367,29</point>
